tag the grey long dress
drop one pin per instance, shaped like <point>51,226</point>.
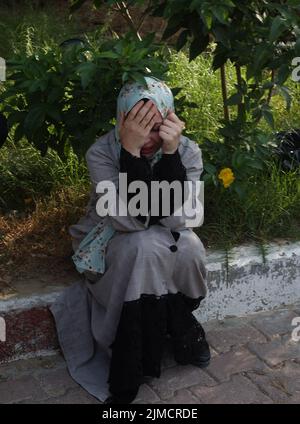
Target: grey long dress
<point>112,331</point>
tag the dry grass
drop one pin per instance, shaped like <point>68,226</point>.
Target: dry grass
<point>41,238</point>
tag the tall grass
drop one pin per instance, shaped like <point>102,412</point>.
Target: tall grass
<point>202,85</point>
<point>270,211</point>
<point>25,27</point>
<point>26,176</point>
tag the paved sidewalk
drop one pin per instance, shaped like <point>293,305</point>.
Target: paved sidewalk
<point>254,360</point>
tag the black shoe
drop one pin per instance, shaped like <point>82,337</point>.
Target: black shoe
<point>201,356</point>
<point>122,398</point>
<point>192,348</point>
<point>118,400</point>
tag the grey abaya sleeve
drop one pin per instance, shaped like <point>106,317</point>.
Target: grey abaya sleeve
<point>102,166</point>
<point>191,157</point>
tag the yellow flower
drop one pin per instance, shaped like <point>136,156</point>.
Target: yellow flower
<point>226,175</point>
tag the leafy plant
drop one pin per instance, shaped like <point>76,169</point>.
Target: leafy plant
<point>66,97</point>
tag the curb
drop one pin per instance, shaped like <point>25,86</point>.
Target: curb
<point>251,285</point>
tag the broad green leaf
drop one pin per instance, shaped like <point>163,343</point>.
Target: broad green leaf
<point>221,35</point>
<point>261,56</point>
<point>239,188</point>
<point>268,115</point>
<point>138,77</point>
<point>219,60</point>
<point>182,39</point>
<point>198,45</point>
<point>209,168</point>
<point>207,178</point>
<point>76,4</point>
<point>108,55</point>
<point>284,91</point>
<point>86,72</point>
<point>294,3</point>
<point>175,24</point>
<point>176,90</point>
<point>221,14</point>
<point>283,74</point>
<point>34,119</point>
<point>255,164</point>
<point>53,112</point>
<point>208,19</point>
<point>235,99</point>
<point>277,28</point>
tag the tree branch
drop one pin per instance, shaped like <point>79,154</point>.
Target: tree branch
<point>124,11</point>
<point>224,93</point>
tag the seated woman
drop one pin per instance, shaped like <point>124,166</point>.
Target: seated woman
<point>147,271</point>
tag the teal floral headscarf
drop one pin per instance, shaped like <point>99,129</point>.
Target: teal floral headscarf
<point>89,258</point>
<point>132,93</point>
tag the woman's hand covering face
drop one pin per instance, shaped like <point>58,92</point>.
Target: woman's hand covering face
<point>143,131</point>
<point>135,128</point>
<point>170,132</point>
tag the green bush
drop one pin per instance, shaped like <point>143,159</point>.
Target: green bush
<point>59,98</point>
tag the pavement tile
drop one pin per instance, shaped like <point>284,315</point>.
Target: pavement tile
<point>282,384</point>
<point>74,397</point>
<point>273,324</point>
<point>235,361</point>
<point>179,377</point>
<point>27,387</point>
<point>239,390</point>
<point>225,338</point>
<point>276,351</point>
<point>183,396</point>
<point>146,395</point>
<point>57,382</point>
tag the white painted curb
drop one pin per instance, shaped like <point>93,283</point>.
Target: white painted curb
<point>252,285</point>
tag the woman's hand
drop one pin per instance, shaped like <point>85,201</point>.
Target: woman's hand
<point>170,132</point>
<point>135,129</point>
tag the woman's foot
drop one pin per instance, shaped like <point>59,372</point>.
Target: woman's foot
<point>122,398</point>
<point>192,348</point>
<point>202,356</point>
<point>118,400</point>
